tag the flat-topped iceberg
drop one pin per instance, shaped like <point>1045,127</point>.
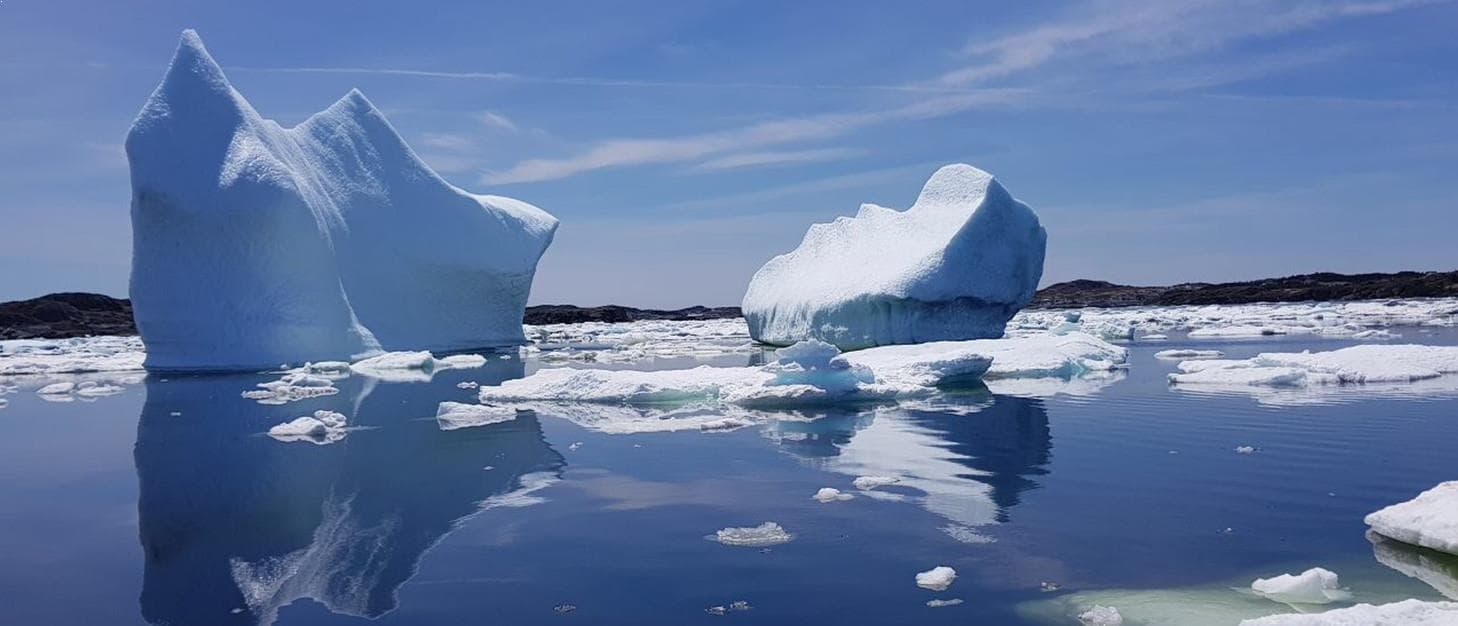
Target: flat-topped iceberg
<point>956,265</point>
<point>255,244</point>
<point>1430,520</point>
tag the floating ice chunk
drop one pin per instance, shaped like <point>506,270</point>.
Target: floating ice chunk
<point>725,424</point>
<point>831,494</point>
<point>255,244</point>
<point>1154,337</point>
<point>867,483</point>
<point>4,403</point>
<point>57,389</point>
<point>1188,354</point>
<point>956,265</point>
<point>456,415</point>
<point>1430,520</point>
<point>93,389</point>
<point>938,603</point>
<point>80,355</point>
<point>324,427</point>
<point>1313,586</point>
<point>294,385</point>
<point>923,365</point>
<point>1354,365</point>
<point>1101,615</point>
<point>468,384</point>
<point>766,534</point>
<point>937,578</point>
<point>1405,613</point>
<point>1245,450</point>
<point>461,361</point>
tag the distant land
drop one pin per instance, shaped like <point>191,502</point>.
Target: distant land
<point>62,315</point>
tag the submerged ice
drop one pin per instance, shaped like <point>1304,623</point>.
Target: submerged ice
<point>956,265</point>
<point>255,244</point>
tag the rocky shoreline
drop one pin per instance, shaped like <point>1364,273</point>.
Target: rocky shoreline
<point>63,315</point>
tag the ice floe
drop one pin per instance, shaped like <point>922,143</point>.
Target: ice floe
<point>937,578</point>
<point>1313,586</point>
<point>297,384</point>
<point>457,415</point>
<point>1430,520</point>
<point>867,483</point>
<point>831,494</point>
<point>1364,364</point>
<point>766,534</point>
<point>956,265</point>
<point>323,427</point>
<point>1188,354</point>
<point>1405,613</point>
<point>939,603</point>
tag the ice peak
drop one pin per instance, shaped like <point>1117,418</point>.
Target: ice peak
<point>192,61</point>
<point>956,184</point>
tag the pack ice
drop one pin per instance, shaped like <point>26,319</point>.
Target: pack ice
<point>255,244</point>
<point>956,265</point>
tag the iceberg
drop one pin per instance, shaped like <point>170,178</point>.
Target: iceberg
<point>255,244</point>
<point>1429,520</point>
<point>957,265</point>
<point>1363,364</point>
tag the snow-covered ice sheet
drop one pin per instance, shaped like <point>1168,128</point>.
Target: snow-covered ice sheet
<point>1405,613</point>
<point>956,265</point>
<point>255,244</point>
<point>1430,520</point>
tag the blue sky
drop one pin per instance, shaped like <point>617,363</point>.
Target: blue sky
<point>684,143</point>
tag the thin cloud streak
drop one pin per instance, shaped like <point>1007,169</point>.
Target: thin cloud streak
<point>756,159</point>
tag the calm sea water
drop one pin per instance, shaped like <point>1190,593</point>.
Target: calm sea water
<point>167,505</point>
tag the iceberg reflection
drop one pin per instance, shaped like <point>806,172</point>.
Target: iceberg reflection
<point>235,525</point>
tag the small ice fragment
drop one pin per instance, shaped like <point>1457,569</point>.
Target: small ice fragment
<point>1048,587</point>
<point>936,604</point>
<point>461,361</point>
<point>739,605</point>
<point>1244,450</point>
<point>468,384</point>
<point>1154,337</point>
<point>937,578</point>
<point>1313,586</point>
<point>716,610</point>
<point>1101,616</point>
<point>867,483</point>
<point>322,428</point>
<point>564,608</point>
<point>831,494</point>
<point>575,445</point>
<point>176,414</point>
<point>766,534</point>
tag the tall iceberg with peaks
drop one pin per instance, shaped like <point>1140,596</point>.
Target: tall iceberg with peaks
<point>957,265</point>
<point>255,245</point>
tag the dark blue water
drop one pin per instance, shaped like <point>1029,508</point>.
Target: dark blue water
<point>167,505</point>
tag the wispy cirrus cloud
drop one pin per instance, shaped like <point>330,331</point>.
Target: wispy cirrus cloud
<point>1110,35</point>
<point>754,159</point>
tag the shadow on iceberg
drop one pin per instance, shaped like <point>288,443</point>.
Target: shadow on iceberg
<point>971,465</point>
<point>235,525</point>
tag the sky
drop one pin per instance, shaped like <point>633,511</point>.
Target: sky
<point>682,144</point>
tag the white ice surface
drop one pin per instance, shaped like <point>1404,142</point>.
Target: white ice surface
<point>1405,613</point>
<point>338,240</point>
<point>323,427</point>
<point>956,265</point>
<point>766,534</point>
<point>937,578</point>
<point>1313,586</point>
<point>831,494</point>
<point>1430,520</point>
<point>1364,364</point>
